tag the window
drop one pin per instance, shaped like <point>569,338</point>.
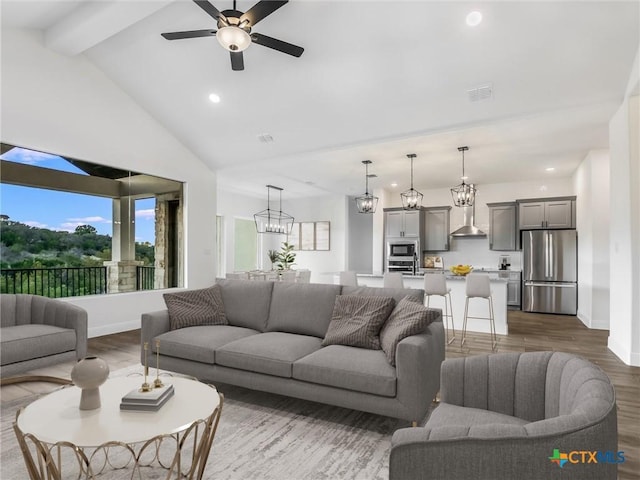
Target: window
<point>245,254</point>
<point>310,236</point>
<point>74,227</point>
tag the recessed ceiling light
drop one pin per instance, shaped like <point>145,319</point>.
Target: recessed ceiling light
<point>214,97</point>
<point>550,169</point>
<point>394,184</point>
<point>474,18</point>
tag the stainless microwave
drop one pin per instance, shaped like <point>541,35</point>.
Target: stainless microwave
<point>401,249</point>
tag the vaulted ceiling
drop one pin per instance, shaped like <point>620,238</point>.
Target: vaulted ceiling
<point>377,80</point>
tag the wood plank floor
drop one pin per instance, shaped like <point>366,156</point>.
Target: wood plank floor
<point>527,332</point>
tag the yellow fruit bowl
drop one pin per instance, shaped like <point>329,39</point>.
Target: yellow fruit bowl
<point>460,269</point>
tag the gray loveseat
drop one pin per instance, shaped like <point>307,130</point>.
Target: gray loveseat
<point>508,416</point>
<point>39,331</point>
<point>273,344</point>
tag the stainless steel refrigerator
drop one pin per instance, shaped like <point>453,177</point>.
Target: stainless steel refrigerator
<point>550,271</point>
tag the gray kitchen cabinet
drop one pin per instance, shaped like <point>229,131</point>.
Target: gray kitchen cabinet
<point>503,229</point>
<point>436,229</point>
<point>402,223</point>
<point>547,213</point>
<point>514,280</point>
<point>513,290</point>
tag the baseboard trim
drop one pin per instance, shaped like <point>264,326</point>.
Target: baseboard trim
<point>624,354</point>
<point>113,328</point>
<point>591,323</point>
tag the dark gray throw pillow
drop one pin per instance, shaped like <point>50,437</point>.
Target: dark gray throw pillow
<point>191,308</point>
<point>357,319</point>
<point>408,318</point>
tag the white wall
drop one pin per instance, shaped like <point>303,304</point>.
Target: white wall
<point>591,183</point>
<point>68,107</point>
<point>624,128</point>
<point>624,268</point>
<point>232,205</point>
<point>323,264</point>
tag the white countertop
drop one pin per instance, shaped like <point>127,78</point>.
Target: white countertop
<point>449,275</point>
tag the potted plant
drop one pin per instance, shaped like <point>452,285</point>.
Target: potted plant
<point>273,257</point>
<point>286,256</point>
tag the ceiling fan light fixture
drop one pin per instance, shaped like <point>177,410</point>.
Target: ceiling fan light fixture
<point>233,38</point>
<point>464,194</point>
<point>366,203</point>
<point>411,199</point>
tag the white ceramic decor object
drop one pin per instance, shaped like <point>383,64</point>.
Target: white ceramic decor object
<point>88,374</point>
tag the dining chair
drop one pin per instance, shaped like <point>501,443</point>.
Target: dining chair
<point>348,279</point>
<point>238,276</point>
<point>304,276</point>
<point>478,285</point>
<point>392,280</point>
<point>257,275</point>
<point>271,276</point>
<point>288,276</point>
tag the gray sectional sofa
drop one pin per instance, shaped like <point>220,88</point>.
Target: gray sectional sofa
<point>513,416</point>
<point>273,343</point>
<point>39,331</point>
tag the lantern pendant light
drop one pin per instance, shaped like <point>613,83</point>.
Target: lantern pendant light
<point>366,203</point>
<point>273,221</point>
<point>411,199</point>
<point>464,195</point>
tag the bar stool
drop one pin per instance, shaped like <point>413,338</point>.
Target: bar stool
<point>478,286</point>
<point>392,280</point>
<point>348,279</point>
<point>436,284</point>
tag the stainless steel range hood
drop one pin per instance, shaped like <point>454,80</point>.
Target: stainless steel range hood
<point>469,229</point>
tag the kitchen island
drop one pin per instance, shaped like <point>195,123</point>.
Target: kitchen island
<point>478,307</point>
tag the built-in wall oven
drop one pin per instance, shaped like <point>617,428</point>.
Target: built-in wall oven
<point>402,256</point>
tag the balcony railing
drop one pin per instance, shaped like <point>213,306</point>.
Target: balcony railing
<point>55,282</point>
<point>145,278</point>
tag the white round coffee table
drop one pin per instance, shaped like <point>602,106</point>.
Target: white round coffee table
<point>56,418</point>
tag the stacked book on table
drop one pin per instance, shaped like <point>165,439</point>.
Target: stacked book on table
<point>146,401</point>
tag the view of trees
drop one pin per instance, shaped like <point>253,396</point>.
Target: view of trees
<point>23,246</point>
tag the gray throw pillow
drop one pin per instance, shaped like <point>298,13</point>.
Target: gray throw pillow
<point>195,307</point>
<point>357,319</point>
<point>408,318</point>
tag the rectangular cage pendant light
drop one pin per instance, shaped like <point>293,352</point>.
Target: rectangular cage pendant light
<point>271,220</point>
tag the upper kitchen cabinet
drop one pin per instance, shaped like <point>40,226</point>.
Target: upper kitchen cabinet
<point>436,229</point>
<point>547,213</point>
<point>503,227</point>
<point>403,223</point>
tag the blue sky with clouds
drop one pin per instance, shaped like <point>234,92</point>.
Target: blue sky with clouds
<point>65,211</point>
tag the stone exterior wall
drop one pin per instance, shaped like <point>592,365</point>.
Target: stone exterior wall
<point>121,275</point>
<point>161,252</point>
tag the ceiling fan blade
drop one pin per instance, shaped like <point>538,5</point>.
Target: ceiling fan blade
<point>237,61</point>
<point>188,34</point>
<point>276,44</point>
<point>261,10</point>
<point>211,10</point>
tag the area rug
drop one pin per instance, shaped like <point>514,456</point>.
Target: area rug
<point>267,436</point>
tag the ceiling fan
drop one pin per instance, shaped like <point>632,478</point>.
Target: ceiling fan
<point>234,30</point>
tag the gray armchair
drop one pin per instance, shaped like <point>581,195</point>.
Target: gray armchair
<point>39,331</point>
<point>506,416</point>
